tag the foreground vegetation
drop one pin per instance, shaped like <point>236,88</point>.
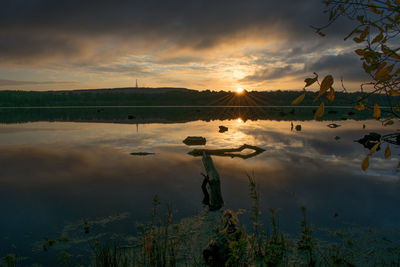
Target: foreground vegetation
<point>218,239</point>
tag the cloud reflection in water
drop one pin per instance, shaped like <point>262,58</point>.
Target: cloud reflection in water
<point>55,177</point>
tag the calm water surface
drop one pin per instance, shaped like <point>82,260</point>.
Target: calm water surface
<point>55,174</point>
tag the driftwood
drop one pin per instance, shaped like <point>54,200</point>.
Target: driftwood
<point>228,152</point>
<point>211,185</point>
<point>393,138</point>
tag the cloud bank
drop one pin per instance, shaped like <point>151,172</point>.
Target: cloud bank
<point>250,42</point>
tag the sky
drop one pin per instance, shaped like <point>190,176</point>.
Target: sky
<point>196,44</point>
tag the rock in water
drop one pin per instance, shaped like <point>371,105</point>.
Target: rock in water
<point>223,129</point>
<point>194,141</point>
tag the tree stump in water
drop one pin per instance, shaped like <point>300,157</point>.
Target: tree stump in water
<point>211,185</point>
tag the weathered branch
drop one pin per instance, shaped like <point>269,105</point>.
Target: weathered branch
<point>228,152</point>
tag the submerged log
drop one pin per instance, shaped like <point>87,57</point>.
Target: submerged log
<point>212,184</point>
<point>228,152</point>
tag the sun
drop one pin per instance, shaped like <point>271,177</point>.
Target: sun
<point>239,90</point>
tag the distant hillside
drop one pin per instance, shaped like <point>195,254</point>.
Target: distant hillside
<point>174,97</point>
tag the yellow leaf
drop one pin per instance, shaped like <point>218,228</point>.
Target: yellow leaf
<point>325,85</point>
<point>298,99</point>
<point>377,112</point>
<point>331,95</point>
<point>310,81</point>
<point>389,52</point>
<point>394,93</point>
<point>365,163</point>
<point>387,152</point>
<point>364,33</point>
<point>375,10</point>
<point>360,52</point>
<point>378,38</point>
<point>382,73</point>
<point>374,148</point>
<point>320,111</point>
<point>360,106</point>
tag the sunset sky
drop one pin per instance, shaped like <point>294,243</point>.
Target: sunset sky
<point>197,44</point>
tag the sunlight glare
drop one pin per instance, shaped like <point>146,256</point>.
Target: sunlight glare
<point>239,90</point>
<point>239,120</point>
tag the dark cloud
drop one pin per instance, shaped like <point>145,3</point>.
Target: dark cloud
<point>270,73</point>
<point>34,29</point>
<point>346,65</point>
<point>28,47</point>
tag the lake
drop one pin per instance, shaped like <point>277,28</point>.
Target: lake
<point>55,173</point>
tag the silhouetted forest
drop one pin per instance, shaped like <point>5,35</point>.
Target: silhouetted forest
<point>171,97</point>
